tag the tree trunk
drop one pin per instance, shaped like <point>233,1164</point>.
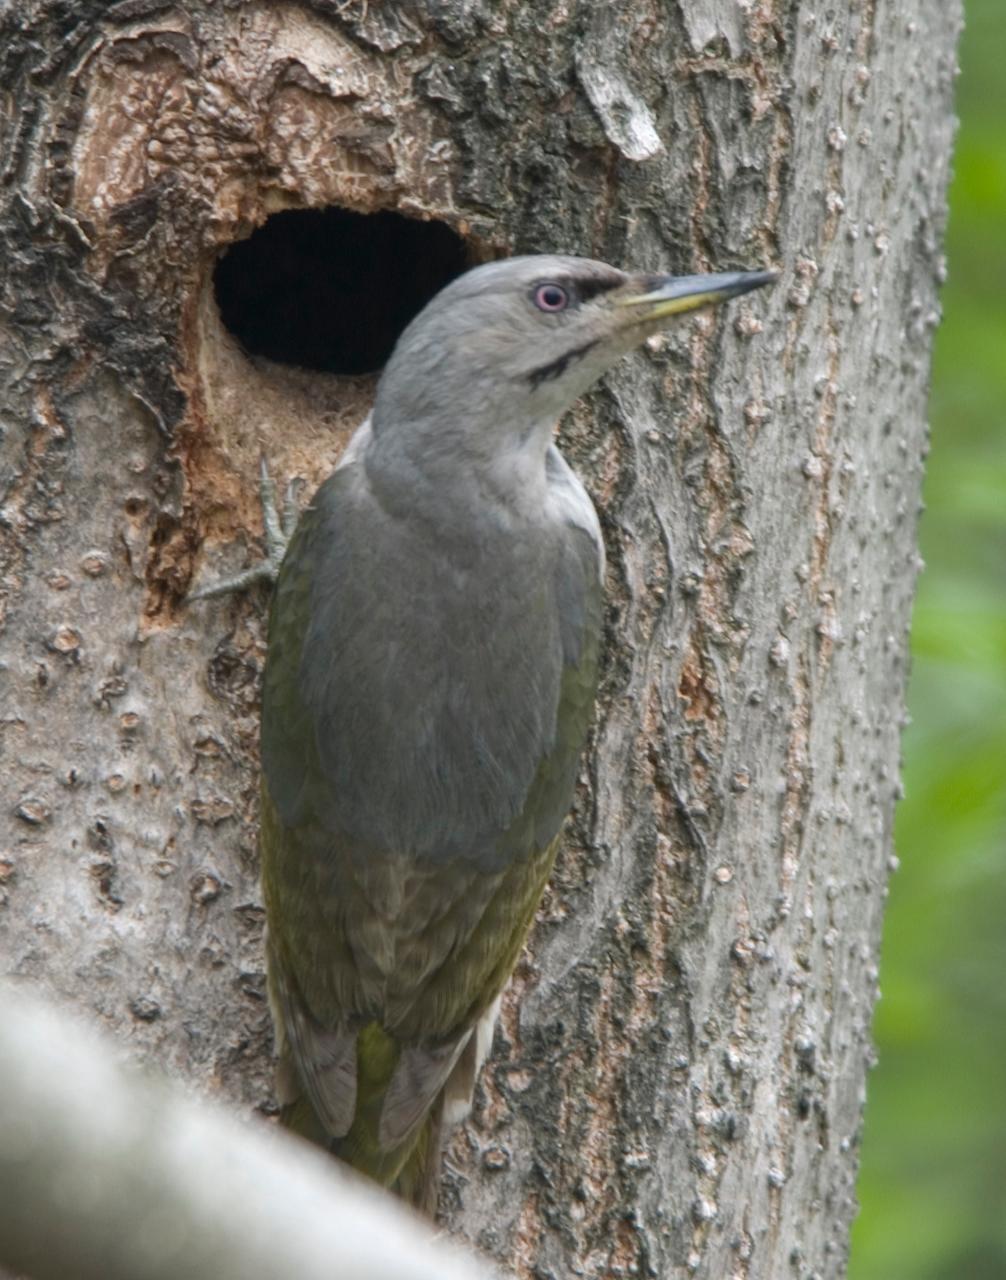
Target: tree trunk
<point>677,1083</point>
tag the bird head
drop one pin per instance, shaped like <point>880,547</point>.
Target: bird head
<point>514,343</point>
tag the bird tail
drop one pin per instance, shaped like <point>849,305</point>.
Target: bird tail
<point>411,1171</point>
<point>418,1183</point>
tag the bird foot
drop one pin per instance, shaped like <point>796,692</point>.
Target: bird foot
<point>278,529</point>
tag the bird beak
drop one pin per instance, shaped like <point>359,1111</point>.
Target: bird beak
<point>654,297</point>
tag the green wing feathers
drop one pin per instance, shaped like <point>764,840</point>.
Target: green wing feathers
<point>318,982</point>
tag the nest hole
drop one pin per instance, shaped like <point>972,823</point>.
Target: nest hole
<point>330,289</point>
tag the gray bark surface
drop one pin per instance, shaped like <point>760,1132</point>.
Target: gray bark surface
<point>677,1083</point>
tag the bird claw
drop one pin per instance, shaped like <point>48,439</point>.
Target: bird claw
<point>278,529</point>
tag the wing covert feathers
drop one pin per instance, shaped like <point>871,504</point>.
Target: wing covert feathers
<point>324,1059</point>
<point>419,1077</point>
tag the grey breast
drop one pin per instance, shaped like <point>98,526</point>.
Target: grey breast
<point>433,667</point>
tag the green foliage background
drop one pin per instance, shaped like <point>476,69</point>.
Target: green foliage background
<point>933,1181</point>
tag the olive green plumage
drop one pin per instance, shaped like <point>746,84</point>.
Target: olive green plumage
<point>426,974</point>
<point>433,656</point>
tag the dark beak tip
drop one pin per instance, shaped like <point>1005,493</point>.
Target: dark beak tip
<point>758,279</point>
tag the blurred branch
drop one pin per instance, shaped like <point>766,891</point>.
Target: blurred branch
<point>106,1172</point>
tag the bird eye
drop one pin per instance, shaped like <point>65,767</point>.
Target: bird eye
<point>551,297</point>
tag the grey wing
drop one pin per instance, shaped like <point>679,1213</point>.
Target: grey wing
<point>423,1071</point>
<point>302,787</point>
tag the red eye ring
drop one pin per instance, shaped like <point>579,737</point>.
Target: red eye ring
<point>551,297</point>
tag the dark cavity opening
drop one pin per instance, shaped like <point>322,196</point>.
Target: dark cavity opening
<point>331,290</point>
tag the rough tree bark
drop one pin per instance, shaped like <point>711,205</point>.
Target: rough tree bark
<point>677,1083</point>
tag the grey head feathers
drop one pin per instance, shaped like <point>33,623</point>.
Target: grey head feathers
<point>484,349</point>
